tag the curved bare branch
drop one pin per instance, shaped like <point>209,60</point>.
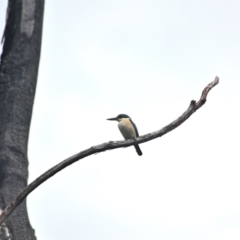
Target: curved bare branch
<point>194,106</point>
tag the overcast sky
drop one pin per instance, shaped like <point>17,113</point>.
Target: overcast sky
<point>147,59</point>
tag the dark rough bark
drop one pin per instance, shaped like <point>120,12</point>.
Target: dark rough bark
<point>18,77</point>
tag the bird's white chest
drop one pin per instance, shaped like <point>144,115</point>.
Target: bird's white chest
<point>126,128</point>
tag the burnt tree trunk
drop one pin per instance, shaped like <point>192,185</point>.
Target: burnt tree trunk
<point>18,77</point>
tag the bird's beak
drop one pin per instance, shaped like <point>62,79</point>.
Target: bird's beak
<point>112,119</point>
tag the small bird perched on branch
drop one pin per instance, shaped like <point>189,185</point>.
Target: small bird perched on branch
<point>128,129</point>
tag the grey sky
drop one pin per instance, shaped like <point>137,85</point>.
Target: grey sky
<point>148,59</point>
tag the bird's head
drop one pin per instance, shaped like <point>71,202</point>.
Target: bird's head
<point>119,117</point>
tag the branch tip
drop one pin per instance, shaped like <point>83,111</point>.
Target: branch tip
<point>192,103</point>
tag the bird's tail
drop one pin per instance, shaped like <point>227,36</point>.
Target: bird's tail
<point>139,152</point>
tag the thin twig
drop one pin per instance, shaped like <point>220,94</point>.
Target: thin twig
<point>194,106</point>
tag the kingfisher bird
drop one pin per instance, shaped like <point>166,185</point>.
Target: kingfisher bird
<point>128,129</point>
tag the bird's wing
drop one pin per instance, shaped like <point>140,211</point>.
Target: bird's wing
<point>135,127</point>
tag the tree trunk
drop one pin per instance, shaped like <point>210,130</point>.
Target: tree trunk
<point>18,77</point>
